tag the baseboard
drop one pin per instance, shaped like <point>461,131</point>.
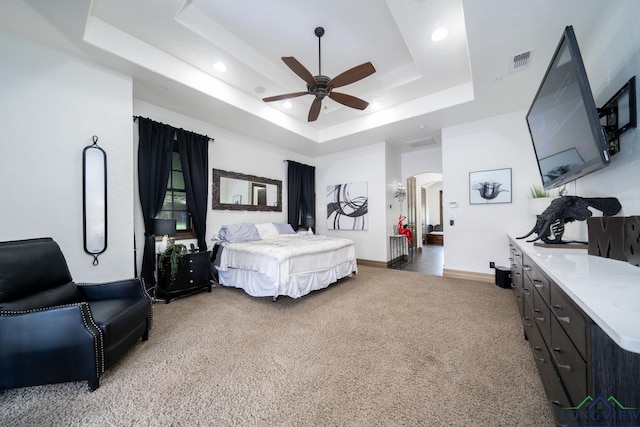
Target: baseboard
<point>371,263</point>
<point>468,275</point>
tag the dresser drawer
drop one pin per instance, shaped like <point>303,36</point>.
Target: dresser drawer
<point>570,364</point>
<point>570,318</point>
<point>538,279</point>
<point>527,290</point>
<point>542,317</point>
<point>516,285</point>
<point>550,379</point>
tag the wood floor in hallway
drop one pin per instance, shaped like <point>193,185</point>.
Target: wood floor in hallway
<point>428,261</point>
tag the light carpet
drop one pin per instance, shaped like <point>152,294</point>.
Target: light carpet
<point>383,348</point>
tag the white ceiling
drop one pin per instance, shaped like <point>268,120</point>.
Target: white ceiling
<point>420,86</point>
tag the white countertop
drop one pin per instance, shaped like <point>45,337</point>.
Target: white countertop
<point>607,290</point>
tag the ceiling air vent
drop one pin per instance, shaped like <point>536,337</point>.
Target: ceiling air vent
<point>421,143</point>
<point>520,61</point>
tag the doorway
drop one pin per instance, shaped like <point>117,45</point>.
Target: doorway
<point>427,204</point>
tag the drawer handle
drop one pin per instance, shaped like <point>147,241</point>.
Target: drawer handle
<point>526,267</point>
<point>556,402</point>
<point>538,284</point>
<point>567,367</point>
<point>518,255</point>
<point>540,319</point>
<point>541,359</point>
<point>565,319</point>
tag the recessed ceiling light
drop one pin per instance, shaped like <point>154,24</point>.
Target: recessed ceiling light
<point>439,34</point>
<point>259,89</point>
<point>421,126</point>
<point>287,104</point>
<point>220,66</point>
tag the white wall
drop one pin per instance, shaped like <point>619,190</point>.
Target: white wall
<point>421,161</point>
<point>611,56</point>
<point>51,104</point>
<point>358,165</point>
<point>479,232</point>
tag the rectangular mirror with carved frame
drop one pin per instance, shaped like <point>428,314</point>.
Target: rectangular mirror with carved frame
<point>242,192</point>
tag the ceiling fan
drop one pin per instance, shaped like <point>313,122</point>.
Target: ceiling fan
<point>321,86</point>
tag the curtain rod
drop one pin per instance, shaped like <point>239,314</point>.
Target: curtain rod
<point>293,161</point>
<point>173,127</point>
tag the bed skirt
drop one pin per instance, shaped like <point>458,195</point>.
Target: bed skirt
<point>259,285</point>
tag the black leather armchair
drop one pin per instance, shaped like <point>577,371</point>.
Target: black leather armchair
<point>53,330</point>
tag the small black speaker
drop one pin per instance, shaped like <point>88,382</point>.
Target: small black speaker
<point>503,277</point>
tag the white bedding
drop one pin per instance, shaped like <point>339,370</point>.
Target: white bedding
<point>286,264</point>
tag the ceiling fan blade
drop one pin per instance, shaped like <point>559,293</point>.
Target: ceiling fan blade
<point>314,111</point>
<point>300,70</point>
<point>352,75</point>
<point>349,101</point>
<point>284,96</point>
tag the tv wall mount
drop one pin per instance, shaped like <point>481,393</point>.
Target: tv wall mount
<point>623,103</point>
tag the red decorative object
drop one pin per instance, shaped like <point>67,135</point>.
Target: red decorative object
<point>404,229</point>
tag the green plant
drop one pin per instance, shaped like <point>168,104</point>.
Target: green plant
<point>173,255</point>
<point>537,192</point>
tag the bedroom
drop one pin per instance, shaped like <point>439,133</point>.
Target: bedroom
<point>504,144</point>
<point>53,100</point>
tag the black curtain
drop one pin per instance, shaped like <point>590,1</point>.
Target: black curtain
<point>194,158</point>
<point>301,184</point>
<point>154,164</point>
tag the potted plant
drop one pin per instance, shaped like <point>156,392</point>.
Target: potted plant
<point>172,257</point>
<point>540,199</point>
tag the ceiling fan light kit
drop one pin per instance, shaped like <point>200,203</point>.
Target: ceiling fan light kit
<point>321,86</point>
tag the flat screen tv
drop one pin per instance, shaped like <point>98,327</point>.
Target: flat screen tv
<point>568,138</point>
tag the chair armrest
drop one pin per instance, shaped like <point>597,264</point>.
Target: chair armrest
<point>129,288</point>
<point>66,334</point>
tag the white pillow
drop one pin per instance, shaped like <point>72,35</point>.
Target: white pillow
<point>266,230</point>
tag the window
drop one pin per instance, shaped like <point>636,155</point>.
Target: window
<point>175,199</point>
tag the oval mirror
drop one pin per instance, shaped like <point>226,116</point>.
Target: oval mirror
<point>94,188</point>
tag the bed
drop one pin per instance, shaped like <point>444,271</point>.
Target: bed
<point>272,260</point>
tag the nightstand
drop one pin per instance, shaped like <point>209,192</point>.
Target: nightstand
<point>193,275</point>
